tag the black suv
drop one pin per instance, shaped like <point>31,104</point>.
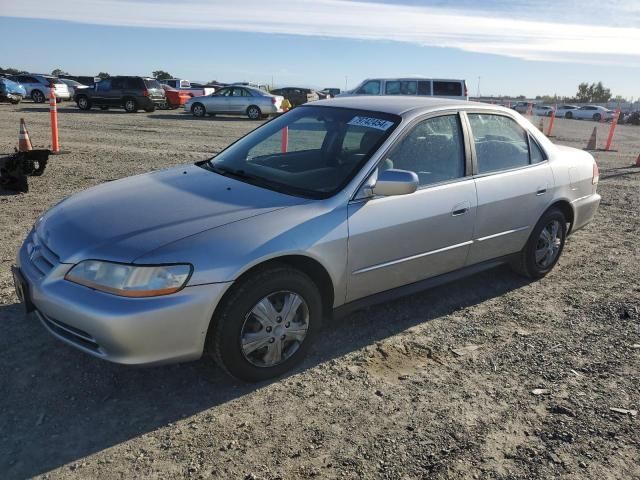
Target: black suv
<point>130,93</point>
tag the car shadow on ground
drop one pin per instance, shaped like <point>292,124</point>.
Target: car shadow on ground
<point>179,114</point>
<point>60,405</point>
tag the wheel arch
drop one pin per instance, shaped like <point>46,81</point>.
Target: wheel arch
<point>311,267</point>
<point>567,210</point>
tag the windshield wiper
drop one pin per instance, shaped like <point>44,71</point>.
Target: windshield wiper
<point>242,175</point>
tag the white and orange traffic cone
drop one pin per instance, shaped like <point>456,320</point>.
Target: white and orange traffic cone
<point>24,142</point>
<point>637,164</point>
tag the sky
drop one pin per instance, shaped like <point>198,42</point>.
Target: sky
<point>507,47</point>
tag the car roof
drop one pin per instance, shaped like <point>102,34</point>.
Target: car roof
<point>401,104</point>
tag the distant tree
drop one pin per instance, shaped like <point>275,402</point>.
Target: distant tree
<point>57,72</point>
<point>11,71</point>
<point>596,92</point>
<point>162,75</point>
<point>103,75</point>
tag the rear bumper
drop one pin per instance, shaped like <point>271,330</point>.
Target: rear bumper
<point>584,209</point>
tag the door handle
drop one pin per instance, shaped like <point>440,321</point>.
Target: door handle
<point>541,191</point>
<point>460,211</point>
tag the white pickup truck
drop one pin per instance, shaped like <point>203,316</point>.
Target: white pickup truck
<point>186,86</point>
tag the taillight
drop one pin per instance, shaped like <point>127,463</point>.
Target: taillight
<point>596,174</point>
<point>466,91</point>
<point>145,93</point>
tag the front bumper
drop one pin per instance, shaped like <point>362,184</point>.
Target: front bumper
<point>152,330</point>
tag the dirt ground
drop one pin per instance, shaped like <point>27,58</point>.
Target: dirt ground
<point>382,395</point>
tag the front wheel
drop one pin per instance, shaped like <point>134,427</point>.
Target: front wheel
<point>254,113</point>
<point>198,110</point>
<point>597,117</point>
<point>37,96</point>
<point>544,247</point>
<point>84,103</point>
<point>568,115</point>
<point>265,325</point>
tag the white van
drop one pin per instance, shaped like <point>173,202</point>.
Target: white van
<point>432,87</point>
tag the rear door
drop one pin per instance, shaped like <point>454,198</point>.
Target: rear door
<point>513,182</point>
<point>398,240</point>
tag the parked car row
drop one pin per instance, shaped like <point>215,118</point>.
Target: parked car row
<point>584,112</point>
<point>11,91</point>
<point>37,87</point>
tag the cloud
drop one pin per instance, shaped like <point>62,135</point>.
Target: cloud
<point>503,32</point>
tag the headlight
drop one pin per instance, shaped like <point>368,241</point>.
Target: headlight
<point>130,280</point>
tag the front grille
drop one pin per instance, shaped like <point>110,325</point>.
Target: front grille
<point>74,335</point>
<point>41,257</point>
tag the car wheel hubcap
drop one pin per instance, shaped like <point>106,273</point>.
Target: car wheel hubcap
<point>549,244</point>
<point>198,110</point>
<point>129,105</point>
<point>253,113</point>
<point>274,329</point>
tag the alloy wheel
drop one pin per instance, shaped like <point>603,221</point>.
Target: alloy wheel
<point>549,244</point>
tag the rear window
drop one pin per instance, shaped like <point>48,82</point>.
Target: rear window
<point>447,89</point>
<point>151,83</point>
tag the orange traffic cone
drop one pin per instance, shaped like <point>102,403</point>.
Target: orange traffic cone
<point>24,142</point>
<point>593,140</point>
<point>638,161</point>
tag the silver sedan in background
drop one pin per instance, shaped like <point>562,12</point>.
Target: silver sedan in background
<point>236,100</point>
<point>334,205</point>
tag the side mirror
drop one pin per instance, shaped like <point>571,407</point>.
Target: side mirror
<point>395,182</point>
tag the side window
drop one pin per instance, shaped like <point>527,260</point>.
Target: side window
<point>223,92</point>
<point>500,142</point>
<point>398,87</point>
<point>118,84</point>
<point>424,88</point>
<point>237,92</point>
<point>104,85</point>
<point>447,89</point>
<point>537,155</point>
<point>372,87</point>
<point>434,149</point>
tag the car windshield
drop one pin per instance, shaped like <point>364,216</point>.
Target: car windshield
<point>311,151</point>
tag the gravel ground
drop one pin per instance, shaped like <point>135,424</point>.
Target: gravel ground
<point>382,395</point>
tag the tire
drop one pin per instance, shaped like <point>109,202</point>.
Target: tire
<point>130,105</point>
<point>234,320</point>
<point>198,110</point>
<point>150,109</point>
<point>254,113</point>
<point>568,115</point>
<point>104,107</point>
<point>543,250</point>
<point>597,117</point>
<point>84,103</point>
<point>16,101</point>
<point>37,96</point>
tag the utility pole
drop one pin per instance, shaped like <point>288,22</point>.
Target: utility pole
<point>346,79</point>
<point>478,92</point>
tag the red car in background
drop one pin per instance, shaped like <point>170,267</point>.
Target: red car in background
<point>175,98</point>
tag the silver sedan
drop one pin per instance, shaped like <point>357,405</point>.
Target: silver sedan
<point>332,206</point>
<point>236,100</point>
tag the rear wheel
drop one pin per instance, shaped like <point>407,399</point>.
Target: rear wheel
<point>265,324</point>
<point>84,103</point>
<point>198,110</point>
<point>254,113</point>
<point>130,105</point>
<point>544,247</point>
<point>37,96</point>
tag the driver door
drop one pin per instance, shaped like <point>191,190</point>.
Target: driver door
<point>398,240</point>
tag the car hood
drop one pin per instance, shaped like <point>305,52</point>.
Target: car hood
<point>124,219</point>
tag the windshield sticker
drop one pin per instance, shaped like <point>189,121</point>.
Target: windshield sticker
<point>370,122</point>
